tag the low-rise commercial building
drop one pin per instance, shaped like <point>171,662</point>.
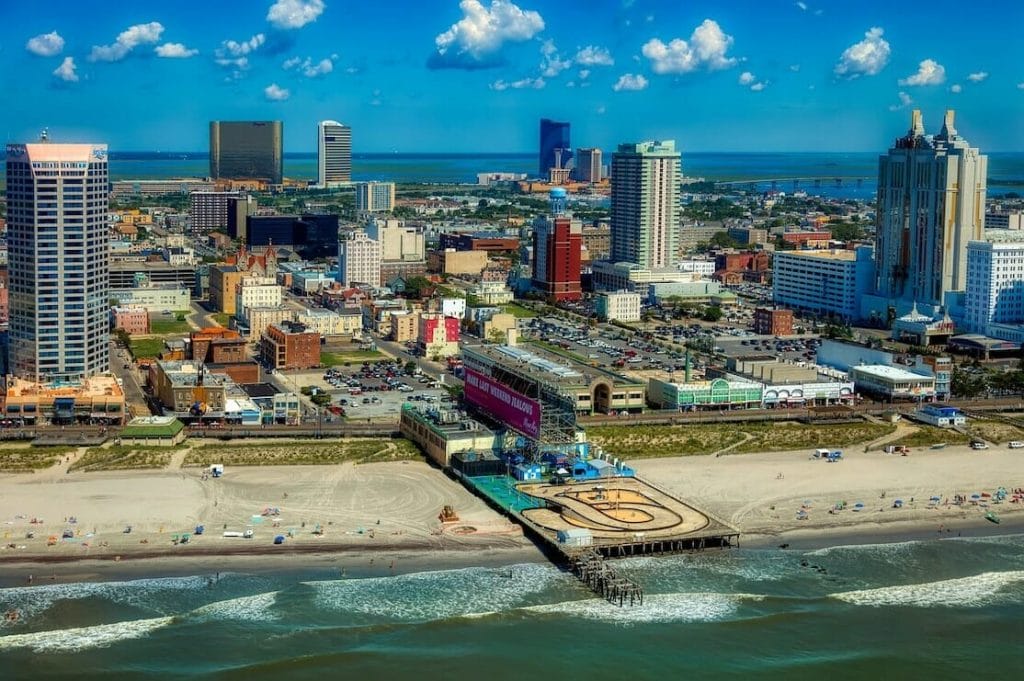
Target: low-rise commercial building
<point>96,400</point>
<point>892,383</point>
<point>717,393</point>
<point>187,388</point>
<point>154,298</point>
<point>442,433</point>
<point>132,319</point>
<point>941,417</point>
<point>623,306</point>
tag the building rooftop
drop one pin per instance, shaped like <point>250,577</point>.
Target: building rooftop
<point>832,254</point>
<point>548,366</point>
<point>892,373</point>
<point>96,386</point>
<point>447,422</point>
<point>186,373</point>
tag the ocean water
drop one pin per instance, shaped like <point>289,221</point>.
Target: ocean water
<point>932,609</point>
<point>1006,170</point>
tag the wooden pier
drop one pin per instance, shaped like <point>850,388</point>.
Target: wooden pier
<point>593,570</point>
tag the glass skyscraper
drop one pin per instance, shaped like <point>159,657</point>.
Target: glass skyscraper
<point>553,135</point>
<point>58,245</point>
<point>242,150</point>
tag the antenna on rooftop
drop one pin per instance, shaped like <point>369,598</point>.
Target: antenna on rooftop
<point>44,135</point>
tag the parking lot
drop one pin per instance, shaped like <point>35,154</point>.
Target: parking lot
<point>371,391</point>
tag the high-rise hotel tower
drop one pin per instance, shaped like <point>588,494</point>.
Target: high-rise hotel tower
<point>334,154</point>
<point>931,202</point>
<point>58,244</point>
<point>645,204</point>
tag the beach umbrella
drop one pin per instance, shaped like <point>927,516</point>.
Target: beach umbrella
<point>975,496</point>
<point>859,504</point>
<point>936,499</point>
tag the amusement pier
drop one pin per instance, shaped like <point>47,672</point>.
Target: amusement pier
<point>518,446</point>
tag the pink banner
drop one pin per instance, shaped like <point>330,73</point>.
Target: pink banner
<point>515,410</point>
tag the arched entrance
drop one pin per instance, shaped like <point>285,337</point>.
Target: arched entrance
<point>602,398</point>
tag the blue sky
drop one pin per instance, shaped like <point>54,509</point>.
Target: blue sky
<point>476,75</point>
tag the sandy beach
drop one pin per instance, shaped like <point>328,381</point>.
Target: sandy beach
<point>762,494</point>
<point>388,512</point>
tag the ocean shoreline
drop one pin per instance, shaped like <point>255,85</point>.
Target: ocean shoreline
<point>353,561</point>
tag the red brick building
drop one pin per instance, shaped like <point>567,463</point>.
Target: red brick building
<point>480,241</point>
<point>752,266</point>
<point>769,322</point>
<point>807,238</point>
<point>223,351</point>
<point>132,318</point>
<point>557,245</point>
<point>290,346</point>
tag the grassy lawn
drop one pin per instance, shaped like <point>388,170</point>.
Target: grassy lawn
<point>168,325</point>
<point>333,359</point>
<point>518,311</point>
<point>25,459</point>
<point>781,437</point>
<point>324,452</point>
<point>125,457</point>
<point>648,442</point>
<point>645,442</point>
<point>995,431</point>
<point>221,318</point>
<point>146,347</point>
<point>930,435</point>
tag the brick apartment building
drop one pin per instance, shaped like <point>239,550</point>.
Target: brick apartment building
<point>290,346</point>
<point>769,322</point>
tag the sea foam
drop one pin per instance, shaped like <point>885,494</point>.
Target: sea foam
<point>965,592</point>
<point>430,596</point>
<point>82,638</point>
<point>656,608</point>
<point>255,608</point>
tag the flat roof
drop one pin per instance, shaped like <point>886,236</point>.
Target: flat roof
<point>550,366</point>
<point>894,373</point>
<point>833,254</point>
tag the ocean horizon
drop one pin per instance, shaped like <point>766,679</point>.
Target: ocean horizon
<point>857,170</point>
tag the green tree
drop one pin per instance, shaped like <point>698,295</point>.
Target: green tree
<point>410,367</point>
<point>967,384</point>
<point>845,231</point>
<point>712,313</point>
<point>723,240</point>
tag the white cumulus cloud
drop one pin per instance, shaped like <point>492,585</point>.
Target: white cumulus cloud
<point>128,40</point>
<point>46,44</point>
<point>1020,86</point>
<point>802,6</point>
<point>524,84</point>
<point>905,101</point>
<point>275,93</point>
<point>978,77</point>
<point>748,79</point>
<point>706,48</point>
<point>476,39</point>
<point>552,63</point>
<point>66,71</point>
<point>308,68</point>
<point>630,82</point>
<point>956,88</point>
<point>929,72</point>
<point>234,48</point>
<point>287,14</point>
<point>868,57</point>
<point>592,55</point>
<point>175,51</point>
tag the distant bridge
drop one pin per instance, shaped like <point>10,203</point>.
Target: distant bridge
<point>798,182</point>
